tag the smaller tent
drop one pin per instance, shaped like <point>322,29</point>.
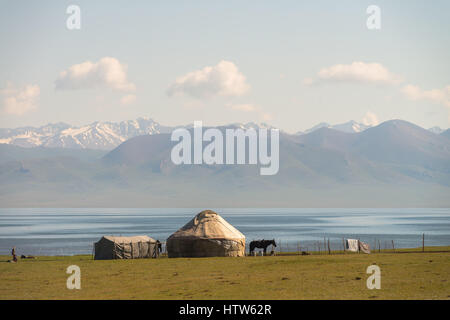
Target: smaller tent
<point>110,247</point>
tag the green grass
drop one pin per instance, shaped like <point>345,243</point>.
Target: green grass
<point>411,275</point>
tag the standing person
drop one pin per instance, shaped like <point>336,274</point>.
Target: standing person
<point>13,252</point>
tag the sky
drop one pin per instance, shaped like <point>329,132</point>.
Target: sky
<point>291,64</point>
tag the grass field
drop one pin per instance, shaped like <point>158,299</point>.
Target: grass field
<point>409,275</point>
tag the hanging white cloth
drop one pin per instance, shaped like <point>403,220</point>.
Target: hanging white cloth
<point>364,247</point>
<point>352,245</point>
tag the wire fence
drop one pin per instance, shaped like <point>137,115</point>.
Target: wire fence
<point>338,245</point>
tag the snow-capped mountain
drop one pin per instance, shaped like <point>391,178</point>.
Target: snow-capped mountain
<point>108,135</point>
<point>97,135</point>
<point>350,126</point>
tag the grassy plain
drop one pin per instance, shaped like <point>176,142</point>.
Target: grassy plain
<point>408,275</point>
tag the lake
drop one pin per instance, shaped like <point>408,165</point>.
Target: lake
<point>61,231</point>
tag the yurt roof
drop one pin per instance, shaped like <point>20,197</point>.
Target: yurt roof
<point>133,239</point>
<point>208,225</point>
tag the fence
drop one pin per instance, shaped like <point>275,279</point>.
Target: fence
<point>337,245</point>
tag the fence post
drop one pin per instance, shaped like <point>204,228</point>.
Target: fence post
<point>329,251</point>
<point>423,242</point>
<point>393,248</point>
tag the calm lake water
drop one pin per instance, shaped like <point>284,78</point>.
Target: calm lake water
<point>73,231</point>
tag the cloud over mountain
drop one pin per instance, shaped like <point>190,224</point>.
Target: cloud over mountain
<point>107,72</point>
<point>223,79</point>
<point>370,119</point>
<point>356,72</point>
<point>440,96</point>
<point>18,101</point>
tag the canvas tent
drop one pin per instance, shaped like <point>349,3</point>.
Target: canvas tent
<point>206,235</point>
<point>110,247</point>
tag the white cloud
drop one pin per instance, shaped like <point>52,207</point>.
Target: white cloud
<point>128,99</point>
<point>356,72</point>
<point>370,119</point>
<point>107,72</point>
<point>440,96</point>
<point>223,79</point>
<point>18,101</point>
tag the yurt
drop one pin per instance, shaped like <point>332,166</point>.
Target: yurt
<point>110,247</point>
<point>206,235</point>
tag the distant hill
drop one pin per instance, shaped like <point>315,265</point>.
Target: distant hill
<point>354,127</point>
<point>395,164</point>
<point>15,153</point>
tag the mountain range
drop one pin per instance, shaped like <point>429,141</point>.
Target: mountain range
<point>97,135</point>
<point>108,135</point>
<point>393,164</point>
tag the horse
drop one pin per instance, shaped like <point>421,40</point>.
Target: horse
<point>263,244</point>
